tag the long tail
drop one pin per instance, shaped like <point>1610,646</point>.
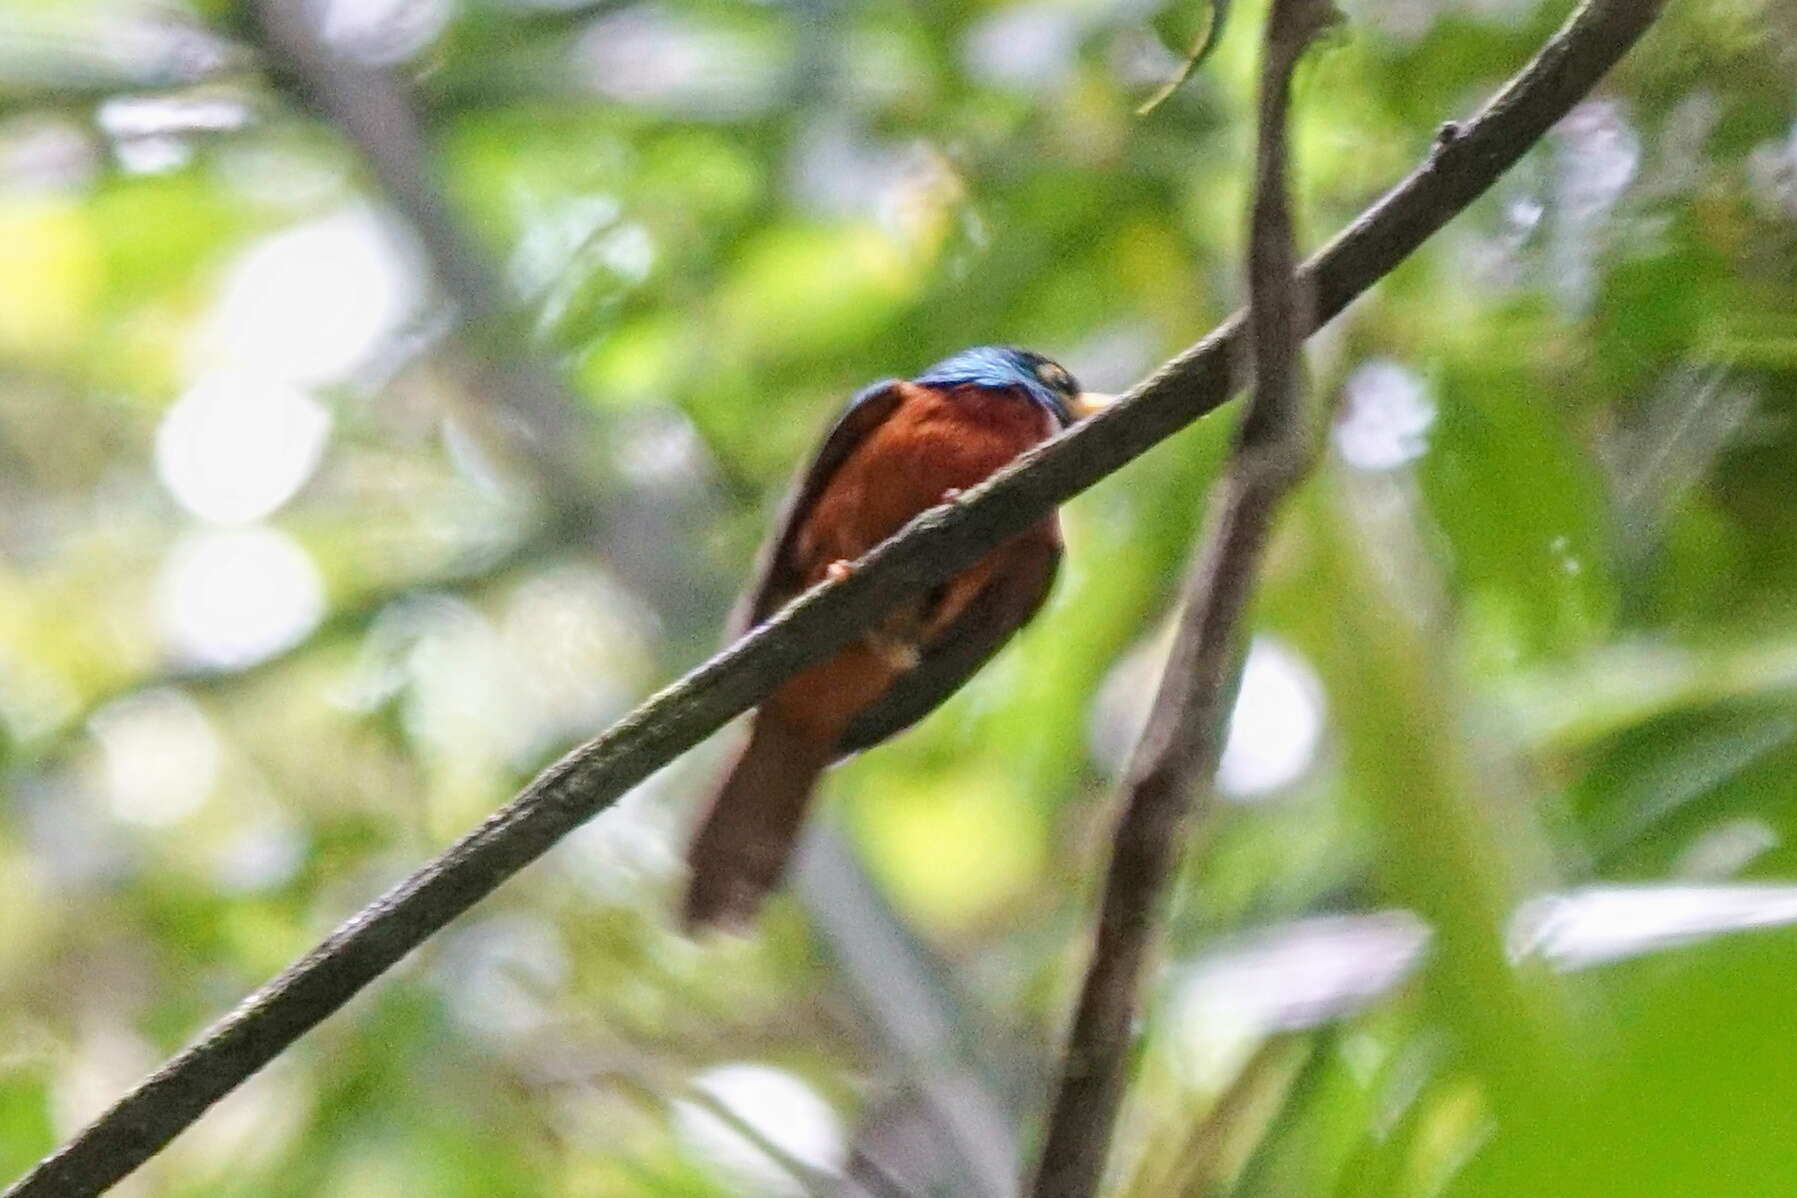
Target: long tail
<point>743,845</point>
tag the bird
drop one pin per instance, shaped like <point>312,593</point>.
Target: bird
<point>898,448</point>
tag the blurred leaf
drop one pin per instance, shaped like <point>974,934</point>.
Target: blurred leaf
<point>1213,31</point>
<point>1551,632</point>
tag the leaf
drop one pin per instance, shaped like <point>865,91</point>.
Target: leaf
<point>1213,33</point>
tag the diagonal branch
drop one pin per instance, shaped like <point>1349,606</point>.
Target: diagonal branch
<point>1169,780</point>
<point>935,545</point>
<point>371,109</point>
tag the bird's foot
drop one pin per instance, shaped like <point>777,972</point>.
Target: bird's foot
<point>838,570</point>
<point>950,495</point>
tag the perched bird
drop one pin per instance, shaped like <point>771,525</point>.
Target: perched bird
<point>899,448</point>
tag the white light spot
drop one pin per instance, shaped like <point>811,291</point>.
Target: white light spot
<point>128,117</point>
<point>1274,728</point>
<point>312,303</point>
<point>575,642</point>
<point>156,155</point>
<point>229,599</point>
<point>383,31</point>
<point>464,700</point>
<point>837,169</point>
<point>259,856</point>
<point>502,974</point>
<point>1596,155</point>
<point>45,154</point>
<point>161,757</point>
<point>780,1108</point>
<point>1029,47</point>
<point>628,251</point>
<point>1561,548</point>
<point>1114,357</point>
<point>253,1131</point>
<point>1772,174</point>
<point>1276,724</point>
<point>1600,924</point>
<point>1312,971</point>
<point>1385,417</point>
<point>1725,849</point>
<point>646,56</point>
<point>633,851</point>
<point>237,446</point>
<point>659,451</point>
<point>554,236</point>
<point>106,1060</point>
<point>1524,213</point>
<point>1121,707</point>
<point>1296,975</point>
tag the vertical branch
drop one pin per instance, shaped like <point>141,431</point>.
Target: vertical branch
<point>1171,768</point>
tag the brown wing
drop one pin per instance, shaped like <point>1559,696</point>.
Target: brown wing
<point>958,651</point>
<point>776,579</point>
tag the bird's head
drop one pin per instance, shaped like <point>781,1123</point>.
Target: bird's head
<point>1007,368</point>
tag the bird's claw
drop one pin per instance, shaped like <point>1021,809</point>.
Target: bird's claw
<point>952,494</point>
<point>838,570</point>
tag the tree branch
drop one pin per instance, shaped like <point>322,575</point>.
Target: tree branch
<point>371,110</point>
<point>909,998</point>
<point>373,113</point>
<point>1169,779</point>
<point>937,544</point>
<point>375,116</point>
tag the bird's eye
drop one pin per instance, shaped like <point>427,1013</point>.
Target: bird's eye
<point>1054,376</point>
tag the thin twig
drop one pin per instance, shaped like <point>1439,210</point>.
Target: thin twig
<point>813,1180</point>
<point>1216,19</point>
<point>874,1178</point>
<point>376,117</point>
<point>1169,779</point>
<point>922,1020</point>
<point>932,547</point>
<point>1192,1163</point>
<point>1300,1091</point>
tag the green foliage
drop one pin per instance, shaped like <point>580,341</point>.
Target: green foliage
<point>1535,615</point>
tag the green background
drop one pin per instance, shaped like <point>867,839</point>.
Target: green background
<point>309,559</point>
